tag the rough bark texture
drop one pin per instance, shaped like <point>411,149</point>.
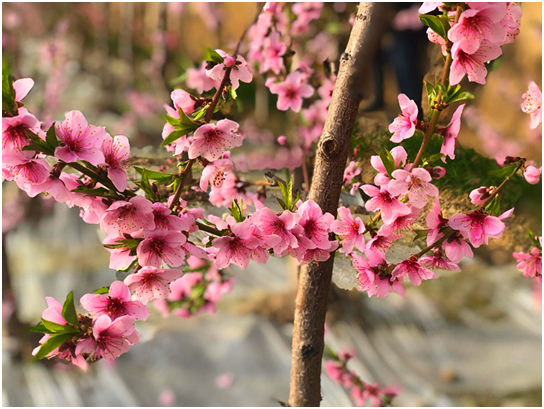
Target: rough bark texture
<point>332,153</point>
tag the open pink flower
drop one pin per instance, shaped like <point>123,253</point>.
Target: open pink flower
<point>316,225</point>
<point>510,22</point>
<point>384,201</point>
<point>416,183</point>
<point>472,65</point>
<point>450,134</point>
<point>211,140</point>
<point>197,79</point>
<point>116,154</point>
<point>110,338</point>
<point>478,24</point>
<point>151,283</point>
<point>532,104</point>
<point>25,169</point>
<point>351,230</point>
<point>128,217</point>
<point>404,126</point>
<point>291,91</point>
<point>116,304</point>
<point>160,246</point>
<point>456,247</point>
<point>273,49</point>
<point>165,220</point>
<point>240,70</point>
<point>272,224</point>
<point>413,269</point>
<point>235,249</point>
<point>351,171</point>
<point>478,226</point>
<point>374,393</point>
<point>14,135</point>
<point>215,173</point>
<point>438,261</point>
<point>531,263</point>
<point>428,6</point>
<point>80,140</point>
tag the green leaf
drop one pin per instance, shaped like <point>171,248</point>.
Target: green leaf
<point>159,177</point>
<point>282,203</point>
<point>54,342</point>
<point>69,310</point>
<point>330,353</point>
<point>102,290</point>
<point>99,191</point>
<point>38,144</point>
<point>289,179</point>
<point>505,172</point>
<point>51,137</point>
<point>201,113</point>
<point>434,23</point>
<point>130,266</point>
<point>493,208</point>
<point>237,211</point>
<point>420,234</point>
<point>146,187</point>
<point>212,55</point>
<point>233,93</point>
<point>56,328</point>
<point>8,93</point>
<point>40,328</point>
<point>431,159</point>
<point>389,165</point>
<point>533,238</point>
<point>172,121</point>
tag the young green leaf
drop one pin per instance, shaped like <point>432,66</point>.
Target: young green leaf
<point>493,208</point>
<point>8,93</point>
<point>102,290</point>
<point>172,121</point>
<point>434,23</point>
<point>56,328</point>
<point>159,177</point>
<point>69,310</point>
<point>99,191</point>
<point>40,328</point>
<point>51,137</point>
<point>506,171</point>
<point>212,55</point>
<point>389,166</point>
<point>53,343</point>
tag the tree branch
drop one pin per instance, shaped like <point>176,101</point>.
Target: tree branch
<point>332,153</point>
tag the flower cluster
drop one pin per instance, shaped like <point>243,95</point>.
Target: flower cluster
<point>361,392</point>
<point>475,35</point>
<point>531,263</point>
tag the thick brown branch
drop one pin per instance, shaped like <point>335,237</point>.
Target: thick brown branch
<point>332,153</point>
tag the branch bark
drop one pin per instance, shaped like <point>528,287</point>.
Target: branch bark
<point>332,153</point>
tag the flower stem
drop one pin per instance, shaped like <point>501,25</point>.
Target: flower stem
<point>208,229</point>
<point>183,176</point>
<point>501,186</point>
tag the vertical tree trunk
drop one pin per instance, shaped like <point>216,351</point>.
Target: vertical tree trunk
<point>332,152</point>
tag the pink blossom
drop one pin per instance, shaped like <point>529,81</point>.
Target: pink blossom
<point>416,183</point>
<point>211,140</point>
<point>216,289</point>
<point>399,155</point>
<point>450,134</point>
<point>22,87</point>
<point>151,283</point>
<point>532,104</point>
<point>435,221</point>
<point>532,174</point>
<point>14,136</point>
<point>116,304</point>
<point>374,393</point>
<point>160,246</point>
<point>436,39</point>
<point>110,338</point>
<point>116,154</point>
<point>429,6</point>
<point>478,24</point>
<point>120,258</point>
<point>128,217</point>
<point>456,248</point>
<point>351,230</point>
<point>403,222</point>
<point>167,397</point>
<point>197,79</point>
<point>273,50</point>
<point>438,261</point>
<point>472,65</point>
<point>338,373</point>
<point>282,226</point>
<point>226,380</point>
<point>436,172</point>
<point>510,22</point>
<point>183,100</point>
<point>404,126</point>
<point>52,313</point>
<point>478,226</point>
<point>291,91</point>
<point>25,169</point>
<point>530,263</point>
<point>235,249</point>
<point>415,271</point>
<point>240,69</point>
<point>383,201</point>
<point>80,140</point>
<point>382,241</point>
<point>165,220</point>
<point>315,224</point>
<point>216,173</point>
<point>179,145</point>
<point>351,171</point>
<point>282,140</point>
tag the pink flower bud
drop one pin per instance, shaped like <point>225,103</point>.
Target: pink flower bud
<point>532,174</point>
<point>282,140</point>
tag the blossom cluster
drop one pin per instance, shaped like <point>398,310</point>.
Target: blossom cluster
<point>361,392</point>
<point>475,35</point>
